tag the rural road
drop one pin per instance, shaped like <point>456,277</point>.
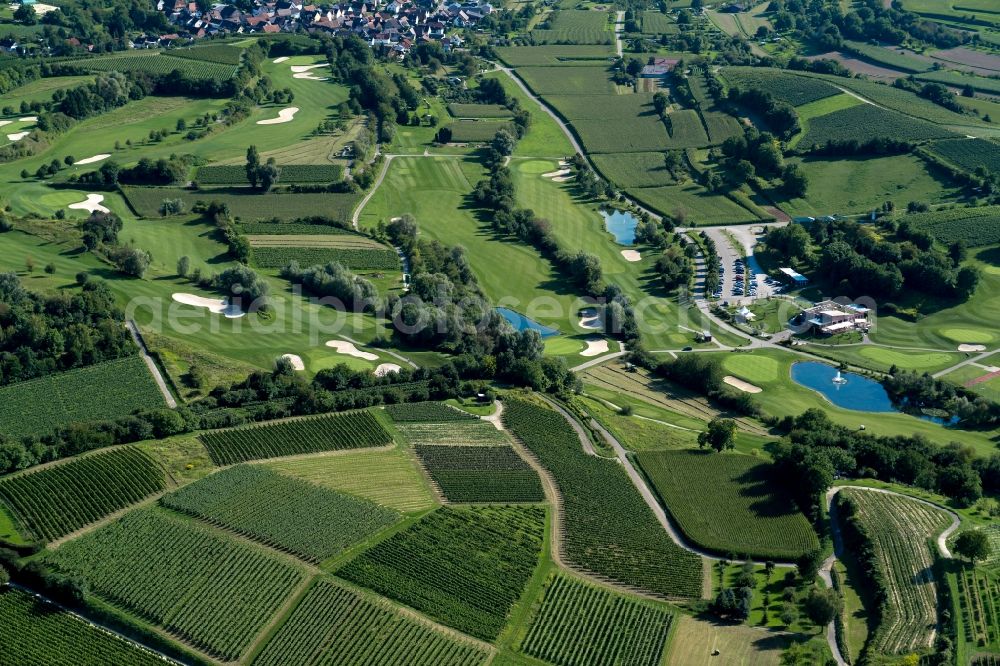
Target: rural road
<point>378,182</point>
<point>151,364</point>
<point>619,27</point>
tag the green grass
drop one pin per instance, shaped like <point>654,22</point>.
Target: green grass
<point>479,131</point>
<point>729,503</point>
<point>479,111</point>
<point>544,138</point>
<point>859,185</point>
<point>697,205</point>
<point>390,478</point>
<point>35,632</point>
<point>154,564</point>
<point>556,54</point>
<point>638,434</point>
<point>446,565</point>
<point>40,90</point>
<point>245,204</point>
<point>98,392</point>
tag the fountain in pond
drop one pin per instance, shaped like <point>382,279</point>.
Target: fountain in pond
<point>838,379</point>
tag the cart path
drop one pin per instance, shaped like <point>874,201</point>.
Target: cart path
<point>151,364</point>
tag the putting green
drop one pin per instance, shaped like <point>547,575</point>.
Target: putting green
<point>563,346</point>
<point>906,360</point>
<point>754,369</point>
<point>968,335</point>
<point>537,166</point>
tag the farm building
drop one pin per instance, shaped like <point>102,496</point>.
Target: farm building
<point>830,318</point>
<point>658,68</point>
<point>794,277</point>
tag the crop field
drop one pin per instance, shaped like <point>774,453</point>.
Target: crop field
<point>481,474</point>
<point>969,154</point>
<point>453,433</point>
<point>721,126</point>
<point>426,412</point>
<point>205,588</point>
<point>245,205</point>
<point>610,531</point>
<point>475,131</point>
<point>658,23</point>
<point>889,57</point>
<point>220,53</point>
<point>575,27</point>
<point>479,111</point>
<point>979,599</point>
<point>155,62</point>
<point>790,88</point>
<point>291,229</point>
<point>900,528</point>
<point>464,567</point>
<point>35,632</point>
<point>976,227</point>
<point>548,81</point>
<point>308,521</point>
<point>335,625</point>
<point>364,259</point>
<point>556,54</point>
<point>628,170</point>
<point>54,501</point>
<point>234,174</point>
<point>112,389</point>
<point>686,130</point>
<point>954,79</point>
<point>863,122</point>
<point>698,206</point>
<point>389,478</point>
<point>580,624</point>
<point>729,503</point>
<point>331,432</point>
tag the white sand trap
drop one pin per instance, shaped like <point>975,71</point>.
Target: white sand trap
<point>562,179</point>
<point>5,122</point>
<point>631,255</point>
<point>746,387</point>
<point>278,61</point>
<point>17,136</point>
<point>556,174</point>
<point>216,305</point>
<point>971,348</point>
<point>95,158</point>
<point>344,347</point>
<point>91,204</point>
<point>42,9</point>
<point>284,116</point>
<point>298,69</point>
<point>563,164</point>
<point>590,319</point>
<point>295,360</point>
<point>595,347</point>
<point>29,119</point>
<point>386,368</point>
<point>309,76</point>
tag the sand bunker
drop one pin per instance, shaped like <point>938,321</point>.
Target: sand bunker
<point>595,347</point>
<point>278,61</point>
<point>556,174</point>
<point>385,368</point>
<point>17,136</point>
<point>971,348</point>
<point>298,69</point>
<point>95,158</point>
<point>29,119</point>
<point>216,305</point>
<point>562,179</point>
<point>309,76</point>
<point>746,387</point>
<point>91,204</point>
<point>5,122</point>
<point>631,255</point>
<point>295,360</point>
<point>284,116</point>
<point>590,319</point>
<point>344,347</point>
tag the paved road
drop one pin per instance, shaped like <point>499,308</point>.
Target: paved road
<point>151,364</point>
<point>619,27</point>
<point>969,361</point>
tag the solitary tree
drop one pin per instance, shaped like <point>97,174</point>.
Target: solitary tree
<point>973,544</point>
<point>183,266</point>
<point>720,435</point>
<point>253,166</point>
<point>822,606</point>
<point>269,175</point>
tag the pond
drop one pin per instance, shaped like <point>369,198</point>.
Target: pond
<point>522,323</point>
<point>858,393</point>
<point>621,225</point>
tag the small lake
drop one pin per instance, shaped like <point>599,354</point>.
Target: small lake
<point>621,225</point>
<point>523,323</point>
<point>859,393</point>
